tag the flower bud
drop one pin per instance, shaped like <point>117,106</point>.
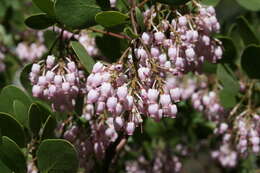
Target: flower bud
<point>152,95</point>
<point>50,61</point>
<point>165,100</point>
<point>36,90</point>
<point>122,92</point>
<point>36,68</point>
<point>175,94</point>
<point>153,109</point>
<point>145,38</point>
<point>57,79</point>
<point>98,67</point>
<point>130,127</point>
<point>172,53</point>
<point>65,86</point>
<point>111,103</point>
<point>159,37</point>
<point>105,89</point>
<point>92,96</point>
<point>42,80</point>
<point>182,21</point>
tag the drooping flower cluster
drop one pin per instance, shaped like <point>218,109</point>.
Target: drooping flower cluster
<point>58,81</point>
<point>2,64</point>
<point>183,44</point>
<point>84,38</point>
<point>248,134</point>
<point>226,156</point>
<point>142,83</point>
<point>163,162</point>
<point>244,135</point>
<point>29,52</point>
<point>89,43</point>
<point>109,92</point>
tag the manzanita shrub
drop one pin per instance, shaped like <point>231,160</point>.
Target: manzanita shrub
<point>136,86</point>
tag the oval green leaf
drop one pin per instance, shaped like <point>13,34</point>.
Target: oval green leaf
<point>76,14</point>
<point>39,21</point>
<point>250,61</point>
<point>210,2</point>
<point>57,155</point>
<point>111,18</point>
<point>247,33</point>
<point>11,93</point>
<point>20,113</point>
<point>47,6</point>
<point>12,128</point>
<point>12,156</point>
<point>48,128</point>
<point>253,5</point>
<point>227,79</point>
<point>24,78</point>
<point>227,98</point>
<point>37,117</point>
<point>83,56</point>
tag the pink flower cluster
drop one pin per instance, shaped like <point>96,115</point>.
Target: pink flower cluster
<point>30,52</point>
<point>89,44</point>
<point>57,81</point>
<point>248,134</point>
<point>225,155</point>
<point>163,162</point>
<point>84,38</point>
<point>183,44</point>
<point>110,93</point>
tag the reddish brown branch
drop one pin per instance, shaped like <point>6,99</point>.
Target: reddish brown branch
<point>121,36</point>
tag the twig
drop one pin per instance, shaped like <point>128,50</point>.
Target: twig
<point>121,36</point>
<point>142,3</point>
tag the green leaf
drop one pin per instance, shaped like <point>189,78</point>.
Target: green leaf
<point>111,47</point>
<point>11,93</point>
<point>39,21</point>
<point>49,38</point>
<point>47,6</point>
<point>253,5</point>
<point>210,2</point>
<point>130,32</point>
<point>76,14</point>
<point>104,4</point>
<point>20,112</point>
<point>227,79</point>
<point>24,78</point>
<point>111,18</point>
<point>12,128</point>
<point>173,2</point>
<point>230,52</point>
<point>12,156</point>
<point>83,56</point>
<point>49,127</point>
<point>152,128</point>
<point>250,61</point>
<point>3,167</point>
<point>57,155</point>
<point>140,18</point>
<point>246,31</point>
<point>227,98</point>
<point>37,117</point>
